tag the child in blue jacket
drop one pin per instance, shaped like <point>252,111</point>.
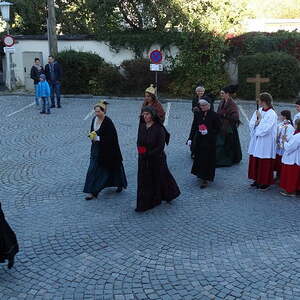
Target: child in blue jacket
<point>43,92</point>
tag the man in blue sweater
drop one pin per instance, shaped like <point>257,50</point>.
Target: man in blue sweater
<point>53,73</point>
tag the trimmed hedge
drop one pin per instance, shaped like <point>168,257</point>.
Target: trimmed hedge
<point>282,69</point>
<point>264,42</point>
<point>85,72</point>
<point>138,76</point>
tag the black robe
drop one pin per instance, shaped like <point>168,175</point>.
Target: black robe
<point>204,146</point>
<point>228,142</point>
<point>8,241</point>
<point>155,182</point>
<point>106,167</point>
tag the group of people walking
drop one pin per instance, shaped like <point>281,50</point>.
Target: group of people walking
<point>274,147</point>
<point>155,182</point>
<point>214,142</point>
<point>214,138</point>
<point>47,84</point>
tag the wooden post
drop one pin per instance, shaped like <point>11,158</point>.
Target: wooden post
<point>258,81</point>
<point>51,26</point>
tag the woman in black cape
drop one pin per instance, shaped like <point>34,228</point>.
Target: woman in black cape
<point>155,182</point>
<point>8,242</point>
<point>106,167</point>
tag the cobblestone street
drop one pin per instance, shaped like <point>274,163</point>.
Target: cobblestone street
<point>225,242</point>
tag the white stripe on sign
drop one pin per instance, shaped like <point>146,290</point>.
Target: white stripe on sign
<point>167,114</point>
<point>244,113</point>
<point>23,108</point>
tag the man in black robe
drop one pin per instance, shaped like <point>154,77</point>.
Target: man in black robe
<point>206,125</point>
<point>106,167</point>
<point>8,242</point>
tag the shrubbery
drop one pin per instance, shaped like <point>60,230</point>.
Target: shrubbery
<point>265,42</point>
<point>200,61</point>
<point>282,69</point>
<point>138,76</point>
<point>85,72</point>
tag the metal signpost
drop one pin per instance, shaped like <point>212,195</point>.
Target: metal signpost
<point>156,58</point>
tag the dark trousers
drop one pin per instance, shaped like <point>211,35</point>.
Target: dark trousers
<point>55,90</point>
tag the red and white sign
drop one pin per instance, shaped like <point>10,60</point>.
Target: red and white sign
<point>156,56</point>
<point>8,40</point>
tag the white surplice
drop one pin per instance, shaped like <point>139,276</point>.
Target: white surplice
<point>284,132</point>
<point>263,136</point>
<point>291,154</point>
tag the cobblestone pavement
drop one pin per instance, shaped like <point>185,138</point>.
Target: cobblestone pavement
<point>226,242</point>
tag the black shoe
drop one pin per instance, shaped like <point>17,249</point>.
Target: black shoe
<point>89,197</point>
<point>119,190</point>
<point>42,112</point>
<point>264,187</point>
<point>254,184</point>
<point>11,262</point>
<point>204,184</point>
<point>59,106</point>
<point>52,106</point>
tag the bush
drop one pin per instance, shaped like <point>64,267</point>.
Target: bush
<point>138,76</point>
<point>282,69</point>
<point>200,61</point>
<point>265,42</point>
<point>85,72</point>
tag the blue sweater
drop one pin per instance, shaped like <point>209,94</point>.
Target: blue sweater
<point>43,89</point>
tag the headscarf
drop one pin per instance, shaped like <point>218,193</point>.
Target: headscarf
<point>157,120</point>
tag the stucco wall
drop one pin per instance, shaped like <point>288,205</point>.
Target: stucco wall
<point>100,48</point>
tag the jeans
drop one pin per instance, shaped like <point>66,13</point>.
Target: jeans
<point>55,89</point>
<point>45,105</point>
<point>37,100</point>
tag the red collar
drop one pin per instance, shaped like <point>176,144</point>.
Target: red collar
<point>266,109</point>
<point>296,132</point>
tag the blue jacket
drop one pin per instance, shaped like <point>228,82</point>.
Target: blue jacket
<point>43,89</point>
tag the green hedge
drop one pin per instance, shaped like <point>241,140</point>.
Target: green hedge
<point>85,72</point>
<point>282,69</point>
<point>265,42</point>
<point>138,76</point>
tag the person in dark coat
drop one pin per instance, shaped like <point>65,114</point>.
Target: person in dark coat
<point>53,73</point>
<point>228,142</point>
<point>155,182</point>
<point>8,242</point>
<point>200,94</point>
<point>106,168</point>
<point>205,127</point>
<point>36,71</point>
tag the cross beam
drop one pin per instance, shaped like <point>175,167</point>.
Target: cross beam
<point>258,81</point>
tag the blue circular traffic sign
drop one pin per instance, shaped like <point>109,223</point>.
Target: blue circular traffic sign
<point>156,56</point>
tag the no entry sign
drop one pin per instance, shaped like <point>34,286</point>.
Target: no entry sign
<point>156,56</point>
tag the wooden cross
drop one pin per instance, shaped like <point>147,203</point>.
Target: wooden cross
<point>258,80</point>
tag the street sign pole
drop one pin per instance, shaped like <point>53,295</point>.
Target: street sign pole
<point>156,59</point>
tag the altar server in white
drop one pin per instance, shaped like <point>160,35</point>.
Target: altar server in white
<point>290,171</point>
<point>262,148</point>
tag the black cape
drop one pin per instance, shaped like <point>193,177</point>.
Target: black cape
<point>106,167</point>
<point>155,181</point>
<point>8,241</point>
<point>204,146</point>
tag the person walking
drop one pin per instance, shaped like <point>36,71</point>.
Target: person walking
<point>155,182</point>
<point>35,73</point>
<point>203,135</point>
<point>8,242</point>
<point>53,73</point>
<point>106,168</point>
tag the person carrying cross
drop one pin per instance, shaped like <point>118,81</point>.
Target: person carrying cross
<point>262,147</point>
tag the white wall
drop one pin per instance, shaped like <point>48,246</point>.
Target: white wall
<point>99,47</point>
